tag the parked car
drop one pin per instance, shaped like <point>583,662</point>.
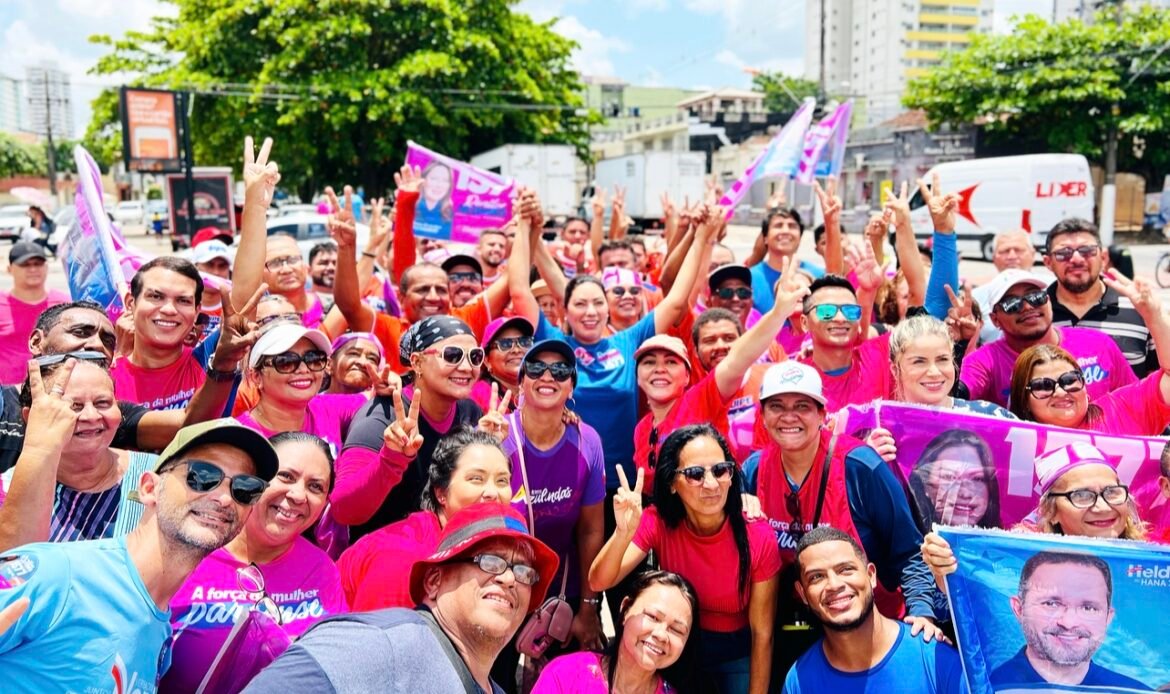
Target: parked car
<point>309,230</point>
<point>130,212</point>
<point>297,208</point>
<point>13,221</point>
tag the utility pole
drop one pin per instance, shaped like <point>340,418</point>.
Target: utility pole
<point>1109,190</point>
<point>824,23</point>
<point>52,158</point>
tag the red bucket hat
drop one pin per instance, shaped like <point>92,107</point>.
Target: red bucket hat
<point>473,526</point>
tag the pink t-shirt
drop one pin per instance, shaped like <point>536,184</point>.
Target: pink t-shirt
<point>699,404</point>
<point>1134,410</point>
<point>328,416</point>
<point>580,673</point>
<point>711,563</point>
<point>168,388</point>
<point>988,370</point>
<point>375,572</point>
<point>304,583</point>
<point>17,320</point>
<point>868,377</point>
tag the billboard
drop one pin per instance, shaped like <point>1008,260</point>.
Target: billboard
<point>213,201</point>
<point>150,130</point>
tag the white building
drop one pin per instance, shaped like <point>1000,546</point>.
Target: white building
<point>873,47</point>
<point>12,105</point>
<point>47,91</point>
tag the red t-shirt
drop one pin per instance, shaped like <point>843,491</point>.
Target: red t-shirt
<point>388,329</point>
<point>700,403</point>
<point>375,572</point>
<point>868,378</point>
<point>1134,410</point>
<point>168,388</point>
<point>711,564</point>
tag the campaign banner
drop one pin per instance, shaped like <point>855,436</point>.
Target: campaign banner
<point>1054,613</point>
<point>824,145</point>
<point>780,158</point>
<point>971,469</point>
<point>457,201</point>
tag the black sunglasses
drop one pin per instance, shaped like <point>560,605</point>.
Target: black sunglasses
<point>796,527</point>
<point>1013,304</point>
<point>652,457</point>
<point>696,474</point>
<point>288,362</point>
<point>203,477</point>
<point>1044,388</point>
<point>506,344</point>
<point>1065,254</point>
<point>455,355</point>
<point>559,370</point>
<point>84,355</point>
<point>726,293</point>
<point>464,277</point>
<point>621,291</point>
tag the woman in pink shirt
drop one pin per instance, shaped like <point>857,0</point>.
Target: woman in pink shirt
<point>651,650</point>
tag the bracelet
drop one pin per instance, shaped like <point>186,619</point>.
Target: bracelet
<point>596,602</point>
<point>371,256</point>
<point>221,376</point>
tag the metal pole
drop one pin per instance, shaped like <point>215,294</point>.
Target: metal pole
<point>1109,190</point>
<point>824,22</point>
<point>49,136</point>
<point>188,164</point>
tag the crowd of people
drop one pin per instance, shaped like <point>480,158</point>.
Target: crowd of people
<point>568,459</point>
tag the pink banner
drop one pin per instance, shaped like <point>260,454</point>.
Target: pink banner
<point>457,201</point>
<point>779,158</point>
<point>969,469</point>
<point>824,145</point>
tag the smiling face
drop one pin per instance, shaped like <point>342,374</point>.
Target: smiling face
<point>1030,323</point>
<point>480,608</point>
<point>427,293</point>
<point>546,393</point>
<point>436,184</point>
<point>463,282</point>
<point>482,473</point>
<point>294,389</point>
<point>491,248</point>
<point>741,307</point>
<point>91,392</point>
<point>323,269</point>
<point>1064,613</point>
<point>505,364</point>
<point>284,268</point>
<point>208,521</point>
<point>349,364</point>
<point>957,484</point>
<point>627,308</point>
<point>1063,408</point>
<point>587,312</point>
<point>925,371</point>
<point>793,421</point>
<point>783,236</point>
<point>715,340</point>
<point>76,330</point>
<point>1100,519</point>
<point>662,376</point>
<point>710,497</point>
<point>1077,274</point>
<point>837,585</point>
<point>165,309</point>
<point>656,627</point>
<point>295,498</point>
<point>837,332</point>
<point>452,381</point>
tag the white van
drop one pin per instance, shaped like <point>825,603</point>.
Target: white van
<point>1031,192</point>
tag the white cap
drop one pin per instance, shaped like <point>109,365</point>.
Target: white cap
<point>792,377</point>
<point>1001,283</point>
<point>208,250</point>
<point>281,337</point>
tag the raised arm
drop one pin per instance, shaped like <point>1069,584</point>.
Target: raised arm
<point>375,247</point>
<point>676,253</point>
<point>671,308</point>
<point>407,180</point>
<point>1149,307</point>
<point>523,301</point>
<point>260,179</point>
<point>906,247</point>
<point>620,555</point>
<point>944,268</point>
<point>597,224</point>
<point>831,211</point>
<point>347,295</point>
<point>546,265</point>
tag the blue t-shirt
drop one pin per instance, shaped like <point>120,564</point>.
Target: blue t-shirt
<point>90,625</point>
<point>764,278</point>
<point>911,667</point>
<point>606,396</point>
<point>1019,671</point>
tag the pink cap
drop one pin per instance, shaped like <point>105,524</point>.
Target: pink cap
<point>1053,464</point>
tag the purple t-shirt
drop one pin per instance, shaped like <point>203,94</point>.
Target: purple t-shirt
<point>561,480</point>
<point>327,416</point>
<point>988,370</point>
<point>579,673</point>
<point>304,583</point>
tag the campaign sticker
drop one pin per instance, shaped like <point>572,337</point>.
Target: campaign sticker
<point>15,570</point>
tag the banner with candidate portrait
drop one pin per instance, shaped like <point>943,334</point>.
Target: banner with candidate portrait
<point>1054,613</point>
<point>457,201</point>
<point>963,468</point>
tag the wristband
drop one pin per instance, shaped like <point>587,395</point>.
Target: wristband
<point>371,256</point>
<point>596,602</point>
<point>221,376</point>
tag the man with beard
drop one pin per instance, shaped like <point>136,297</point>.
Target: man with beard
<point>1064,607</point>
<point>322,270</point>
<point>486,575</point>
<point>1074,254</point>
<point>491,250</point>
<point>860,645</point>
<point>1022,309</point>
<point>98,610</point>
<point>464,278</point>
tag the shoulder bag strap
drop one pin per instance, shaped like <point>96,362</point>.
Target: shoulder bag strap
<point>825,477</point>
<point>470,686</point>
<point>514,427</point>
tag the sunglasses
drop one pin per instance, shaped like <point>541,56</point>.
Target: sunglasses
<point>559,370</point>
<point>1065,254</point>
<point>464,277</point>
<point>277,263</point>
<point>455,355</point>
<point>726,293</point>
<point>288,362</point>
<point>1014,304</point>
<point>250,579</point>
<point>1114,495</point>
<point>1044,388</point>
<point>619,292</point>
<point>796,527</point>
<point>652,456</point>
<point>291,317</point>
<point>84,355</point>
<point>203,477</point>
<point>824,312</point>
<point>497,565</point>
<point>696,474</point>
<point>507,344</point>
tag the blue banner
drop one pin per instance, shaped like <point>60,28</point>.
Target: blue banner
<point>1053,613</point>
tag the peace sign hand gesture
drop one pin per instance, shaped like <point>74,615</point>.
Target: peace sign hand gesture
<point>401,436</point>
<point>237,332</point>
<point>788,291</point>
<point>830,203</point>
<point>943,207</point>
<point>960,318</point>
<point>1137,290</point>
<point>340,222</point>
<point>898,207</point>
<point>384,382</point>
<point>627,503</point>
<point>869,273</point>
<point>51,418</point>
<point>493,420</point>
<point>260,175</point>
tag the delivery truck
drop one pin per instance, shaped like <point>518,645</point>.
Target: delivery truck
<point>645,177</point>
<point>550,170</point>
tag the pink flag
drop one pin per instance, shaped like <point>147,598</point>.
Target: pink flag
<point>824,145</point>
<point>779,158</point>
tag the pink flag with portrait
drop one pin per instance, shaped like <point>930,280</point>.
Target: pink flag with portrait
<point>457,201</point>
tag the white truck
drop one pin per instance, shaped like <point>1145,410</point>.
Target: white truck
<point>550,170</point>
<point>1031,192</point>
<point>645,177</point>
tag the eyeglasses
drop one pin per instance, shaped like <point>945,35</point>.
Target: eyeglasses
<point>251,580</point>
<point>619,292</point>
<point>464,277</point>
<point>1044,388</point>
<point>455,355</point>
<point>652,456</point>
<point>291,317</point>
<point>1013,304</point>
<point>84,355</point>
<point>559,370</point>
<point>1114,495</point>
<point>726,293</point>
<point>823,312</point>
<point>507,344</point>
<point>695,475</point>
<point>277,263</point>
<point>288,362</point>
<point>203,477</point>
<point>497,565</point>
<point>1066,254</point>
<point>796,527</point>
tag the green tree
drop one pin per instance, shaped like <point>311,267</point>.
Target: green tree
<point>1056,85</point>
<point>18,158</point>
<point>342,84</point>
<point>782,93</point>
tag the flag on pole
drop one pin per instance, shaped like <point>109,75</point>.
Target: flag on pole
<point>780,158</point>
<point>824,145</point>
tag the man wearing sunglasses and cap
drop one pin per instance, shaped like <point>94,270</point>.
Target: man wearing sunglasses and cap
<point>1021,307</point>
<point>474,592</point>
<point>98,610</point>
<point>20,307</point>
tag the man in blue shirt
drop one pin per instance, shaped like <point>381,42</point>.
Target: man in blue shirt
<point>862,651</point>
<point>98,617</point>
<point>1065,607</point>
<point>781,230</point>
